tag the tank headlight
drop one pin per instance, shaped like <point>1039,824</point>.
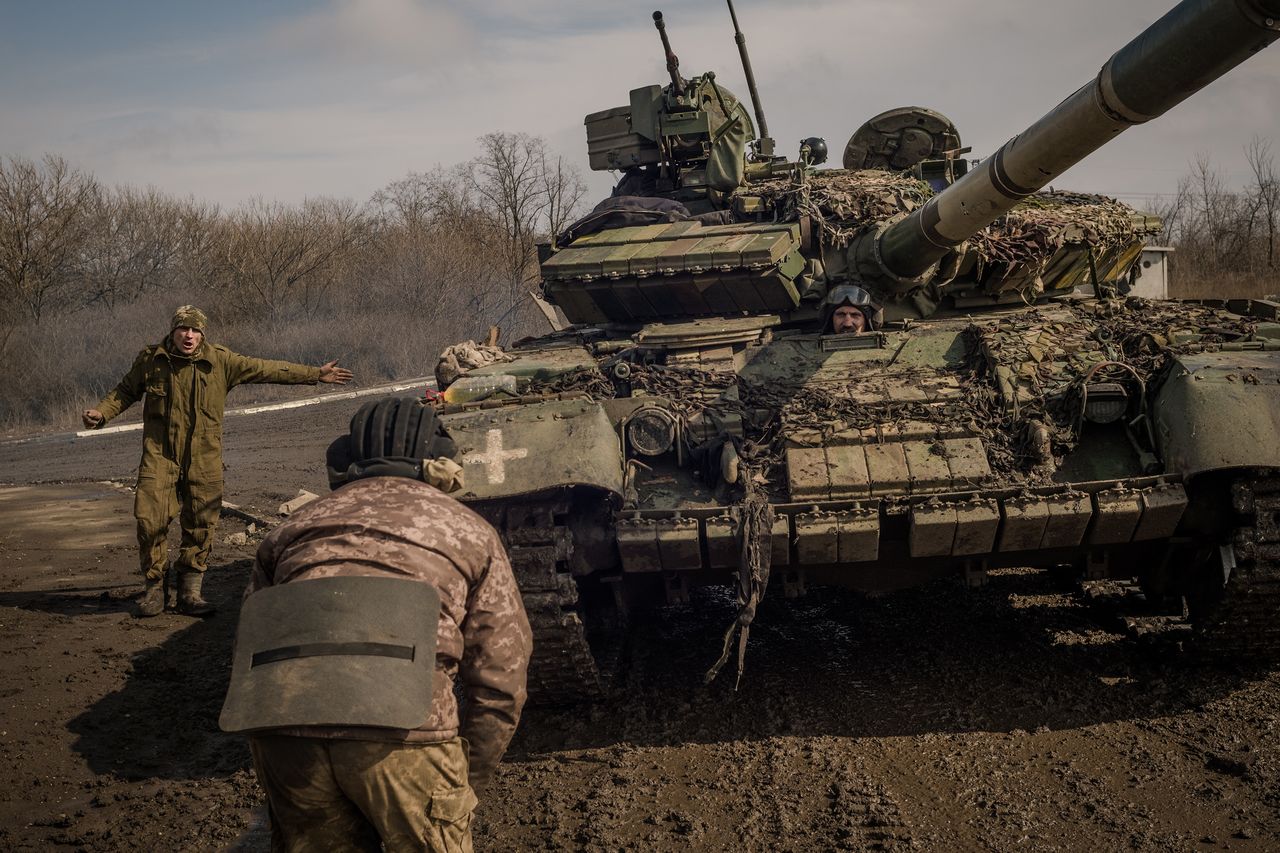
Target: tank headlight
<point>1106,402</point>
<point>651,430</point>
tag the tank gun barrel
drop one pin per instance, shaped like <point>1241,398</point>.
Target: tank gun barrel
<point>673,62</point>
<point>1195,43</point>
<point>765,145</point>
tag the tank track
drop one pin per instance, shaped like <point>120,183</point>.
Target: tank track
<point>563,669</point>
<point>1238,620</point>
<point>1244,620</point>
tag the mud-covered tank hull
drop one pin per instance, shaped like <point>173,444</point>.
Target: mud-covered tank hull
<point>942,448</point>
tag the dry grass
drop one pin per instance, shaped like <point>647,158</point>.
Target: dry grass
<point>1223,286</point>
<point>55,370</point>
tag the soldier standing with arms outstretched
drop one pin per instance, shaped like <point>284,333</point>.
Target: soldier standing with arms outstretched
<point>185,380</point>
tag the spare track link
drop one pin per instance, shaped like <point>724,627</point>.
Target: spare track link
<point>562,669</point>
<point>1245,623</point>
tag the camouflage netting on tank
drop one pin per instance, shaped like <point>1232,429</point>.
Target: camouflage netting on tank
<point>1029,235</point>
<point>1035,362</point>
<point>589,381</point>
<point>842,202</point>
<point>1023,370</point>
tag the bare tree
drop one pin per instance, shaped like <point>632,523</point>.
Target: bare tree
<point>420,199</point>
<point>434,249</point>
<point>1266,193</point>
<point>1173,213</point>
<point>133,244</point>
<point>276,259</point>
<point>508,180</point>
<point>1211,202</point>
<point>528,195</point>
<point>198,260</point>
<point>1226,239</point>
<point>43,218</point>
<point>564,189</point>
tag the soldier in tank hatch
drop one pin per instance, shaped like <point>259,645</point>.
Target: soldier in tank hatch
<point>359,740</point>
<point>848,309</point>
<point>185,380</point>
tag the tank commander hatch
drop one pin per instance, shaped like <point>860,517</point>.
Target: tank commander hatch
<point>362,612</point>
<point>848,309</point>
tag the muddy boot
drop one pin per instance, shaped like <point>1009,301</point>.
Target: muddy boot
<point>171,591</point>
<point>152,601</point>
<point>190,601</point>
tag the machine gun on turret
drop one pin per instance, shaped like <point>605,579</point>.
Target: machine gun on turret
<point>673,61</point>
<point>686,141</point>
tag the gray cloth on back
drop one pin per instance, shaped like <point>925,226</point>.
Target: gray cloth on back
<point>624,211</point>
<point>337,651</point>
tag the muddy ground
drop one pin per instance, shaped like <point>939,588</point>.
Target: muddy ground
<point>936,719</point>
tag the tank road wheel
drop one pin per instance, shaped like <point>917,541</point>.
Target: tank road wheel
<point>1234,599</point>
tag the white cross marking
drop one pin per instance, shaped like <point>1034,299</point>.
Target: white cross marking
<point>494,457</point>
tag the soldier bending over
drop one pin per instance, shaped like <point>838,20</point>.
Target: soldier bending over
<point>358,740</point>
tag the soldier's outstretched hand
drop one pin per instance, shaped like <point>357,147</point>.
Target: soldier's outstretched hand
<point>331,374</point>
<point>92,418</point>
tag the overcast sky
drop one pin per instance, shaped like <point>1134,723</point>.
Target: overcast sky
<point>286,99</point>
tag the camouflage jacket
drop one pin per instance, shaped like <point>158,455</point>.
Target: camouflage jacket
<point>186,397</point>
<point>402,527</point>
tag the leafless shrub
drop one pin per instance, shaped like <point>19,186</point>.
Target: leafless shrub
<point>275,261</point>
<point>1226,240</point>
<point>43,223</point>
<point>58,367</point>
<point>433,251</point>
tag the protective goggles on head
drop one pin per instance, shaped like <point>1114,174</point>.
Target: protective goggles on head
<point>848,293</point>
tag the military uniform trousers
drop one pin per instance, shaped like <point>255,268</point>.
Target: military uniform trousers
<point>166,491</point>
<point>329,794</point>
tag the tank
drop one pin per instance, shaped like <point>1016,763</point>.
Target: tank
<point>1000,402</point>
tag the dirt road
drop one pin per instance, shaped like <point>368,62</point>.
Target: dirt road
<point>937,719</point>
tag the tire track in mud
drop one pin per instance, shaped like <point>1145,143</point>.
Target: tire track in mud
<point>935,719</point>
<point>938,718</point>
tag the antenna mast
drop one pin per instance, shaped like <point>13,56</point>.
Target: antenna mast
<point>764,145</point>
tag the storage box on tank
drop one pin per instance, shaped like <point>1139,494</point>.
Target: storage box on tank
<point>1152,279</point>
<point>612,144</point>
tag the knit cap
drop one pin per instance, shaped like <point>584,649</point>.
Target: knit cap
<point>191,317</point>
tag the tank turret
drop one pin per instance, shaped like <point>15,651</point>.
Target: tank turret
<point>950,236</point>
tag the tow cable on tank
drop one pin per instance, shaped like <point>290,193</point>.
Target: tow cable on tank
<point>754,515</point>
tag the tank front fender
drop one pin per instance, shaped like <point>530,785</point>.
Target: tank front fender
<point>517,450</point>
<point>1220,410</point>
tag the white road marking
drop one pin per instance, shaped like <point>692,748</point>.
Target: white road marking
<point>420,382</point>
<point>494,457</point>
